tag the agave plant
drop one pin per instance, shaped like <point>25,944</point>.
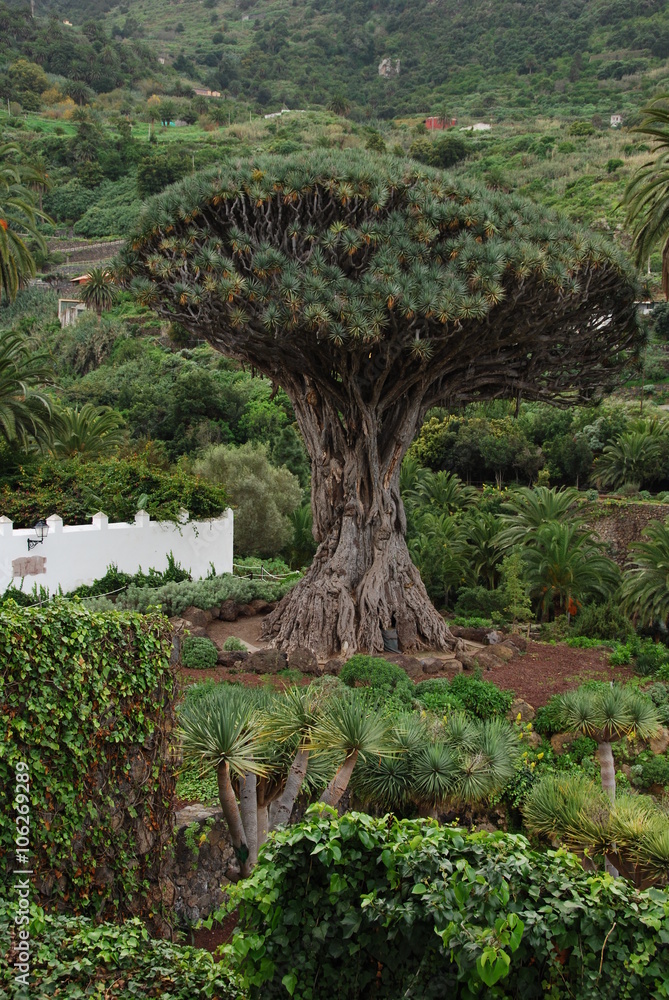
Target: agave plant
<point>461,760</point>
<point>606,715</point>
<point>292,721</point>
<point>353,729</point>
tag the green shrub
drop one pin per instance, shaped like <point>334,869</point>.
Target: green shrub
<point>86,703</point>
<point>621,655</point>
<point>76,957</point>
<point>582,748</point>
<point>555,631</point>
<point>650,657</point>
<point>198,653</point>
<point>603,621</point>
<point>384,678</point>
<point>479,602</point>
<point>174,598</point>
<point>114,580</point>
<point>76,490</point>
<point>234,645</point>
<point>472,622</point>
<point>582,642</point>
<point>437,696</point>
<point>652,772</point>
<point>374,907</point>
<point>548,718</point>
<point>481,698</point>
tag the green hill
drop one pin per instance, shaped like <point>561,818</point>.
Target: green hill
<point>477,58</point>
<point>502,59</point>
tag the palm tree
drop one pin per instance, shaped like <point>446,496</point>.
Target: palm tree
<point>530,508</point>
<point>483,531</point>
<point>224,730</point>
<point>25,410</point>
<point>565,565</point>
<point>632,459</point>
<point>90,432</point>
<point>18,221</point>
<point>445,491</point>
<point>99,292</point>
<point>647,195</point>
<point>645,587</point>
<point>606,715</point>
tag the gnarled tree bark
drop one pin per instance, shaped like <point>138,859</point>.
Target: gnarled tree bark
<point>371,290</point>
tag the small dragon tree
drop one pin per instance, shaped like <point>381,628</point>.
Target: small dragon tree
<point>372,289</point>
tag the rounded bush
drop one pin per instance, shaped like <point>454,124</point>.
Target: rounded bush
<point>198,653</point>
<point>234,645</point>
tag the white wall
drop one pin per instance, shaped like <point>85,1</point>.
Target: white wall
<point>73,555</point>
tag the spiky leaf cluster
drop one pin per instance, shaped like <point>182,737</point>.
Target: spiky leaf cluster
<point>464,760</point>
<point>386,275</point>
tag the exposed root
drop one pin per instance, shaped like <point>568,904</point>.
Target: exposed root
<point>340,606</point>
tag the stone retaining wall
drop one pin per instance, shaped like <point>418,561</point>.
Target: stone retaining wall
<point>619,525</point>
<point>204,863</point>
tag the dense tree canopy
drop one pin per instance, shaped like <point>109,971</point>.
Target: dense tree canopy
<point>372,289</point>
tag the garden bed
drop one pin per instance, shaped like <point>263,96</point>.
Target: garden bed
<point>543,670</point>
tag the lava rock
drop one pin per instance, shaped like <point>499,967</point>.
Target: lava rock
<point>412,667</point>
<point>520,707</point>
<point>267,661</point>
<point>246,611</point>
<point>231,658</point>
<point>561,742</point>
<point>228,611</point>
<point>519,641</point>
<point>197,617</point>
<point>503,651</point>
<point>660,742</point>
<point>305,661</point>
<point>261,607</point>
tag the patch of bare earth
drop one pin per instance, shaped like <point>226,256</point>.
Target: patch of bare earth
<point>544,670</point>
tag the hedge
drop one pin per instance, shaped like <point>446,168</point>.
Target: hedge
<point>76,958</point>
<point>353,907</point>
<point>86,701</point>
<point>76,490</point>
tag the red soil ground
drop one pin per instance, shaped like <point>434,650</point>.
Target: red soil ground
<point>544,670</point>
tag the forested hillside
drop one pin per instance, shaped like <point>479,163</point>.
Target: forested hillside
<point>478,58</point>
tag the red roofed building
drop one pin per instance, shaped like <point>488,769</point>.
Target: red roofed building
<point>435,122</point>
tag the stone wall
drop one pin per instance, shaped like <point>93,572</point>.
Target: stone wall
<point>619,524</point>
<point>204,863</point>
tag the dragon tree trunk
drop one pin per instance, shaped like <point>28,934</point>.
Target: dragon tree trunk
<point>362,578</point>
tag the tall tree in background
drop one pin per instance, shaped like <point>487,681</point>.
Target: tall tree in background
<point>18,220</point>
<point>371,290</point>
<point>647,194</point>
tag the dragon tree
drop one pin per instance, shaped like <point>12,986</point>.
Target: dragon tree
<point>372,289</point>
